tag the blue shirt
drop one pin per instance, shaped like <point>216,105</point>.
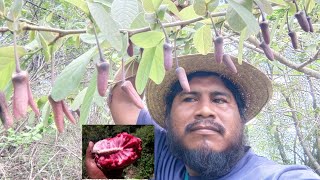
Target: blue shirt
<point>250,167</point>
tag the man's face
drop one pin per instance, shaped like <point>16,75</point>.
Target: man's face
<point>208,116</point>
<point>205,129</point>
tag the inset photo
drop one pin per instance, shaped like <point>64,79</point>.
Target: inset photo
<point>117,152</point>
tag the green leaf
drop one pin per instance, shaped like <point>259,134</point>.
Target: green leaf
<point>200,7</point>
<point>161,11</point>
<point>139,22</point>
<point>187,13</point>
<point>81,4</point>
<point>265,6</point>
<point>108,26</point>
<point>156,4</point>
<point>212,5</point>
<point>45,113</point>
<point>144,68</point>
<point>240,17</point>
<point>15,9</point>
<point>45,47</point>
<point>7,63</point>
<point>6,74</point>
<point>243,35</point>
<point>148,6</point>
<point>124,12</point>
<point>310,4</point>
<point>78,100</point>
<point>202,40</point>
<point>70,77</point>
<point>2,7</point>
<point>88,98</point>
<point>147,39</point>
<point>157,68</point>
<point>171,7</point>
<point>90,38</point>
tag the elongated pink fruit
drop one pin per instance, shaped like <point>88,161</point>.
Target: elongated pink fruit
<point>267,50</point>
<point>128,88</point>
<point>229,63</point>
<point>31,102</point>
<point>130,48</point>
<point>20,94</point>
<point>68,113</point>
<point>103,76</point>
<point>182,76</point>
<point>57,113</point>
<point>167,55</point>
<point>265,31</point>
<point>302,20</point>
<point>5,115</point>
<point>310,24</point>
<point>294,39</point>
<point>218,49</point>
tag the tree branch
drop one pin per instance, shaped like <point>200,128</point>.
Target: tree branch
<point>315,57</point>
<point>286,62</point>
<point>299,134</point>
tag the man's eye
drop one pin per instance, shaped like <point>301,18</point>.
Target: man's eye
<point>189,99</point>
<point>219,101</point>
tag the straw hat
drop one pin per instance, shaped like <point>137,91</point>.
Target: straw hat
<point>254,84</point>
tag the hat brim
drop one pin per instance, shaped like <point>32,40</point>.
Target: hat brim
<point>254,85</point>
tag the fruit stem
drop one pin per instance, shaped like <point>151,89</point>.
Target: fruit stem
<point>288,21</point>
<point>16,56</point>
<point>175,48</point>
<point>213,26</point>
<point>164,31</point>
<point>98,44</point>
<point>122,69</point>
<point>295,3</point>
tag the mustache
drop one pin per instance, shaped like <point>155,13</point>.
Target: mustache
<point>210,123</point>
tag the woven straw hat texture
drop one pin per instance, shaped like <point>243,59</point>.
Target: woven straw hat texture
<point>254,85</point>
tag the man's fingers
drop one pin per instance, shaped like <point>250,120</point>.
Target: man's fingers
<point>89,149</point>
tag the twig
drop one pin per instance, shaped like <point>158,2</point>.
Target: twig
<point>315,57</point>
<point>45,165</point>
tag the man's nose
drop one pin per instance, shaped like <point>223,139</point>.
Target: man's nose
<point>205,109</point>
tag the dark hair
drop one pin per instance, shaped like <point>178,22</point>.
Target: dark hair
<point>176,88</point>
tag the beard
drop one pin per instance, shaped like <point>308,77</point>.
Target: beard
<point>206,162</point>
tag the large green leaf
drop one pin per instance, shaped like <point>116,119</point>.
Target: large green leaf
<point>124,12</point>
<point>7,63</point>
<point>202,39</point>
<point>108,26</point>
<point>6,74</point>
<point>265,6</point>
<point>78,100</point>
<point>81,4</point>
<point>70,77</point>
<point>147,39</point>
<point>309,5</point>
<point>200,7</point>
<point>149,56</point>
<point>139,22</point>
<point>156,4</point>
<point>15,9</point>
<point>88,98</point>
<point>7,54</point>
<point>240,17</point>
<point>187,13</point>
<point>148,6</point>
<point>171,7</point>
<point>157,68</point>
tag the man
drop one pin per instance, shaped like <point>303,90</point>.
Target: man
<point>199,134</point>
